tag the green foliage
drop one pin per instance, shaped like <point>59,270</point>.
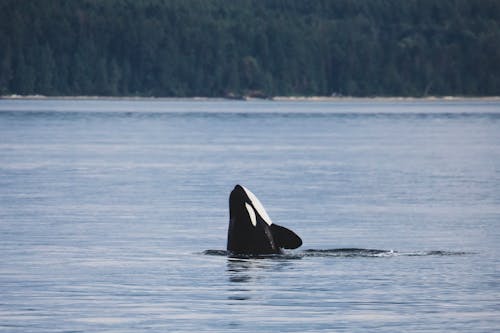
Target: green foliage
<point>272,47</point>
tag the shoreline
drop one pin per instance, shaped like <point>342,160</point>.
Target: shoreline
<point>270,99</point>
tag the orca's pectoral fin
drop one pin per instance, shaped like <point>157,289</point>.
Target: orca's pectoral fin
<point>285,238</point>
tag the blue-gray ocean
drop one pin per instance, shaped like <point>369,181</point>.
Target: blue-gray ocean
<point>114,214</point>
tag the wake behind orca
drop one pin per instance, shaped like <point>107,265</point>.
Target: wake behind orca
<point>338,253</point>
<point>251,231</point>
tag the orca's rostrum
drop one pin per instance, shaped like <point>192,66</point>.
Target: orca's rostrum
<point>251,230</point>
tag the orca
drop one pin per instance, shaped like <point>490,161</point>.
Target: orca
<point>251,231</point>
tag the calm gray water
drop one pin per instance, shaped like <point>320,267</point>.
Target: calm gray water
<point>108,208</point>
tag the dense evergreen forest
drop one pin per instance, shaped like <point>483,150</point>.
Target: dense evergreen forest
<point>250,47</point>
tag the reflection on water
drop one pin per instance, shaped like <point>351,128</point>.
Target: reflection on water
<point>244,275</point>
<point>240,272</point>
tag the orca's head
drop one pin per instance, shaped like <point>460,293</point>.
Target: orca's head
<point>251,230</point>
<point>246,207</point>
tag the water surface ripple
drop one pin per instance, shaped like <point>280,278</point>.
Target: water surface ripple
<point>108,207</point>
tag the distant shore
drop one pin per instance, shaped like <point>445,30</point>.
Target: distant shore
<point>246,98</point>
<point>385,98</point>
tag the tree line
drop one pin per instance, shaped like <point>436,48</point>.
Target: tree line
<point>183,48</point>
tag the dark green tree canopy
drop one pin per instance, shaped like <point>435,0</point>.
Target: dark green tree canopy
<point>263,48</point>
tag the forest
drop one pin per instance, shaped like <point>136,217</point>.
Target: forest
<point>231,48</point>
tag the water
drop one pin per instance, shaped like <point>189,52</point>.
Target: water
<point>113,216</point>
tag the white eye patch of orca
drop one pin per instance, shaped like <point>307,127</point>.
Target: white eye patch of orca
<point>258,207</point>
<point>251,213</point>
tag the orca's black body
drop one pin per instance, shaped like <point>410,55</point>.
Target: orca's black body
<point>251,230</point>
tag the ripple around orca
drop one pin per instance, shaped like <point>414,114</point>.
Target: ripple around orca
<point>338,253</point>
